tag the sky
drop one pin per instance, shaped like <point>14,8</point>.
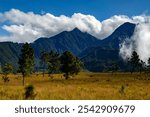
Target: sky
<point>101,9</point>
<point>28,20</point>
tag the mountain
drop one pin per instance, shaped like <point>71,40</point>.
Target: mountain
<point>126,30</point>
<point>92,51</point>
<point>9,53</point>
<point>105,55</point>
<point>74,41</point>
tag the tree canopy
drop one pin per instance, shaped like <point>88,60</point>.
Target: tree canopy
<point>71,65</point>
<point>26,61</point>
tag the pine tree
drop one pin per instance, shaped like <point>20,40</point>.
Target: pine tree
<point>148,65</point>
<point>44,60</point>
<point>26,61</point>
<point>134,61</point>
<point>53,62</point>
<point>71,65</point>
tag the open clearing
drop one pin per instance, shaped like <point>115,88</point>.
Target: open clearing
<point>84,86</point>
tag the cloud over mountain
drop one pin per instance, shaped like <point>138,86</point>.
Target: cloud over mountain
<point>140,42</point>
<point>26,27</point>
<point>29,26</point>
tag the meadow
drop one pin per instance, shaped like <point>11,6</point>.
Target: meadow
<point>84,86</point>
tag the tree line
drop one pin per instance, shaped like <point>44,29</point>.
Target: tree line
<point>51,61</point>
<point>137,65</point>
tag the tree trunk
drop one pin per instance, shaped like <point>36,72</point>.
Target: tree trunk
<point>67,76</point>
<point>44,70</point>
<point>23,80</point>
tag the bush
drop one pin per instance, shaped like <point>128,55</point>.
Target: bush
<point>29,92</point>
<point>5,79</point>
<point>122,90</point>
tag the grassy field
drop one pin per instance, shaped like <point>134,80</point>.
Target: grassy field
<point>85,86</point>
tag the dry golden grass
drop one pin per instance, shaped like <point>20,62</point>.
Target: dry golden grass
<point>85,86</point>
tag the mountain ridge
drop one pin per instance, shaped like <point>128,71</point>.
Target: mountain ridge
<point>75,41</point>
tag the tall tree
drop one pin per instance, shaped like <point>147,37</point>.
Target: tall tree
<point>148,65</point>
<point>26,61</point>
<point>53,62</point>
<point>71,65</point>
<point>142,66</point>
<point>44,60</point>
<point>134,61</point>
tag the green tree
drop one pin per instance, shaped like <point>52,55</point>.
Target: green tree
<point>134,61</point>
<point>148,65</point>
<point>53,62</point>
<point>44,60</point>
<point>114,68</point>
<point>26,61</point>
<point>7,69</point>
<point>142,66</point>
<point>71,65</point>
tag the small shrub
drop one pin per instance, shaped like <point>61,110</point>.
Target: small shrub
<point>29,92</point>
<point>122,90</point>
<point>5,79</point>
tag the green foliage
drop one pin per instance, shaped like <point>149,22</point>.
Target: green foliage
<point>71,65</point>
<point>50,61</point>
<point>29,92</point>
<point>142,66</point>
<point>53,62</point>
<point>7,69</point>
<point>134,61</point>
<point>26,60</point>
<point>43,61</point>
<point>5,79</point>
<point>148,66</point>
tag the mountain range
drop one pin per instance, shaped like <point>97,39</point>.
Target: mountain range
<point>96,54</point>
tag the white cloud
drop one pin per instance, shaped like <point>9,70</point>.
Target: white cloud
<point>140,41</point>
<point>109,25</point>
<point>29,26</point>
<point>26,27</point>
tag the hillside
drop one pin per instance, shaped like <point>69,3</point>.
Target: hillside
<point>93,52</point>
<point>74,41</point>
<point>105,55</point>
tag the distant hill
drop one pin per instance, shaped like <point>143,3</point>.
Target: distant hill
<point>107,53</point>
<point>74,41</point>
<point>92,51</point>
<point>9,53</point>
<point>120,34</point>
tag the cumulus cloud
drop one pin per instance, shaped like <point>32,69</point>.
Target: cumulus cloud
<point>139,42</point>
<point>27,27</point>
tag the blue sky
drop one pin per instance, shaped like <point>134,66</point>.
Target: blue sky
<point>18,25</point>
<point>101,9</point>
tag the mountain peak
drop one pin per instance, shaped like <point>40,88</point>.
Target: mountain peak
<point>76,30</point>
<point>127,25</point>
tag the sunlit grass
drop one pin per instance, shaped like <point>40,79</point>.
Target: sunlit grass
<point>86,85</point>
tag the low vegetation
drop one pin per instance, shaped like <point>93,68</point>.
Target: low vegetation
<point>85,85</point>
